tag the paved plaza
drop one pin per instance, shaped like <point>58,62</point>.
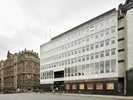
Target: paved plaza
<point>46,96</point>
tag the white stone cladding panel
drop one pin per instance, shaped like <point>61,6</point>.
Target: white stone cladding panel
<point>121,45</point>
<point>121,23</point>
<point>121,71</point>
<point>129,23</point>
<point>121,55</point>
<point>121,34</point>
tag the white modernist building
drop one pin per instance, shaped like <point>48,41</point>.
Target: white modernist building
<point>92,57</point>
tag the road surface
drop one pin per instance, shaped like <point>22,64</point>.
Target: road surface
<point>46,96</point>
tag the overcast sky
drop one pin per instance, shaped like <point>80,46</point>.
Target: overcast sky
<point>30,23</point>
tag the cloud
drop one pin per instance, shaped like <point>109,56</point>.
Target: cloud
<point>30,23</point>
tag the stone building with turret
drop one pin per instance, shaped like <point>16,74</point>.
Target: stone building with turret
<point>20,72</point>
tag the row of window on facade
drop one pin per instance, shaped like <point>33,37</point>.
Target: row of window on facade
<point>92,56</point>
<point>101,67</point>
<point>85,29</point>
<point>83,49</point>
<point>108,66</point>
<point>90,86</point>
<point>47,75</point>
<point>84,40</point>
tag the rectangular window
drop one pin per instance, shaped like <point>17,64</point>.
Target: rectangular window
<point>97,68</point>
<point>113,65</point>
<point>87,48</point>
<point>75,60</point>
<point>107,66</point>
<point>113,40</point>
<point>74,87</point>
<point>79,50</point>
<point>72,61</point>
<point>102,67</point>
<point>65,62</point>
<point>99,86</point>
<point>92,28</point>
<point>65,54</point>
<point>68,61</point>
<point>87,57</point>
<point>113,51</point>
<point>97,55</point>
<point>110,86</point>
<point>92,46</point>
<point>67,87</point>
<point>79,70</point>
<point>92,56</point>
<point>97,45</point>
<point>72,71</point>
<point>79,59</point>
<point>107,52</point>
<point>68,53</point>
<point>102,54</point>
<point>83,58</point>
<point>75,70</point>
<point>90,86</point>
<point>87,67</point>
<point>83,67</point>
<point>83,49</point>
<point>72,53</point>
<point>107,42</point>
<point>66,72</point>
<point>91,68</point>
<point>75,51</point>
<point>102,44</point>
<point>81,86</point>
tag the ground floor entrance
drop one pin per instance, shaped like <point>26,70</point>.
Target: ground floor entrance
<point>59,86</point>
<point>129,82</point>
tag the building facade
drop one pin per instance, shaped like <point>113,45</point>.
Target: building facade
<point>1,75</point>
<point>92,57</point>
<point>20,72</point>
